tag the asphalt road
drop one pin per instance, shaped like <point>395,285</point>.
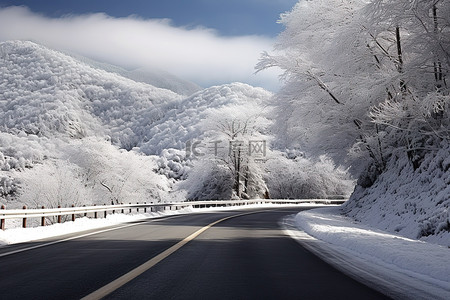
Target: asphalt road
<point>244,257</point>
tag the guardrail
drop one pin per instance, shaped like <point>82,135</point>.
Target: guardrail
<point>42,213</point>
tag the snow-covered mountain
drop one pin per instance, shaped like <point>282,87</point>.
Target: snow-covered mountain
<point>63,124</point>
<point>152,76</point>
<point>198,115</point>
<point>47,93</point>
<point>71,131</point>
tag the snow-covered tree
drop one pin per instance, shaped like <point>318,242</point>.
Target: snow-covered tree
<point>413,38</point>
<point>292,176</point>
<point>326,81</point>
<point>243,137</point>
<point>365,78</point>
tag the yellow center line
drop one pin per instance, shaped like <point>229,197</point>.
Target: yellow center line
<point>122,280</point>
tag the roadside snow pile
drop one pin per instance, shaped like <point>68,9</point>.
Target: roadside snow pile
<point>412,203</point>
<point>425,262</point>
<point>21,235</point>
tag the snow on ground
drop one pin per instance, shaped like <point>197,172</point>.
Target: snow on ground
<point>412,203</point>
<point>407,268</point>
<point>20,235</point>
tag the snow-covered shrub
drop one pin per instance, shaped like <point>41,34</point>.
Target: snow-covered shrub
<point>52,184</point>
<point>92,171</point>
<point>173,164</point>
<point>301,178</point>
<point>208,180</point>
<point>116,176</point>
<point>414,125</point>
<point>20,152</point>
<point>8,187</point>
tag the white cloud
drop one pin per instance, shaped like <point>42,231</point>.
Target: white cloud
<point>197,54</point>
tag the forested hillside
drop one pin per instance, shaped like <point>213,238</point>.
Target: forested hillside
<point>71,133</point>
<point>367,83</point>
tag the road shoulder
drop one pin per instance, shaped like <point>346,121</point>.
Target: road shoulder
<point>398,267</point>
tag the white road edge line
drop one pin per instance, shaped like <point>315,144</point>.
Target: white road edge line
<point>122,280</point>
<point>81,236</point>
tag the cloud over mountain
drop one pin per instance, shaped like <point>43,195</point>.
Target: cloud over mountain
<point>196,54</point>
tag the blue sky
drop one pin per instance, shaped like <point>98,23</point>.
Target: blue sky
<point>228,17</point>
<point>209,42</point>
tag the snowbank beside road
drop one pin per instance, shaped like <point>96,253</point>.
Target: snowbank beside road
<point>21,235</point>
<point>412,203</point>
<point>421,265</point>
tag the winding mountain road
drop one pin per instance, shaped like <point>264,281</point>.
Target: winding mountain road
<point>240,254</point>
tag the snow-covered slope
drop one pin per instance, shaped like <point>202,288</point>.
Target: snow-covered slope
<point>47,93</point>
<point>413,203</point>
<point>199,114</point>
<point>62,124</point>
<point>71,133</point>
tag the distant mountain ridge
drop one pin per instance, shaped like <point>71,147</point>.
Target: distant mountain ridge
<point>152,76</point>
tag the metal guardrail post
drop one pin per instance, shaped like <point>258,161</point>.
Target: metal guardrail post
<point>24,220</point>
<point>2,221</point>
<point>95,213</point>
<point>43,218</point>
<point>105,213</point>
<point>73,215</point>
<point>59,216</point>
